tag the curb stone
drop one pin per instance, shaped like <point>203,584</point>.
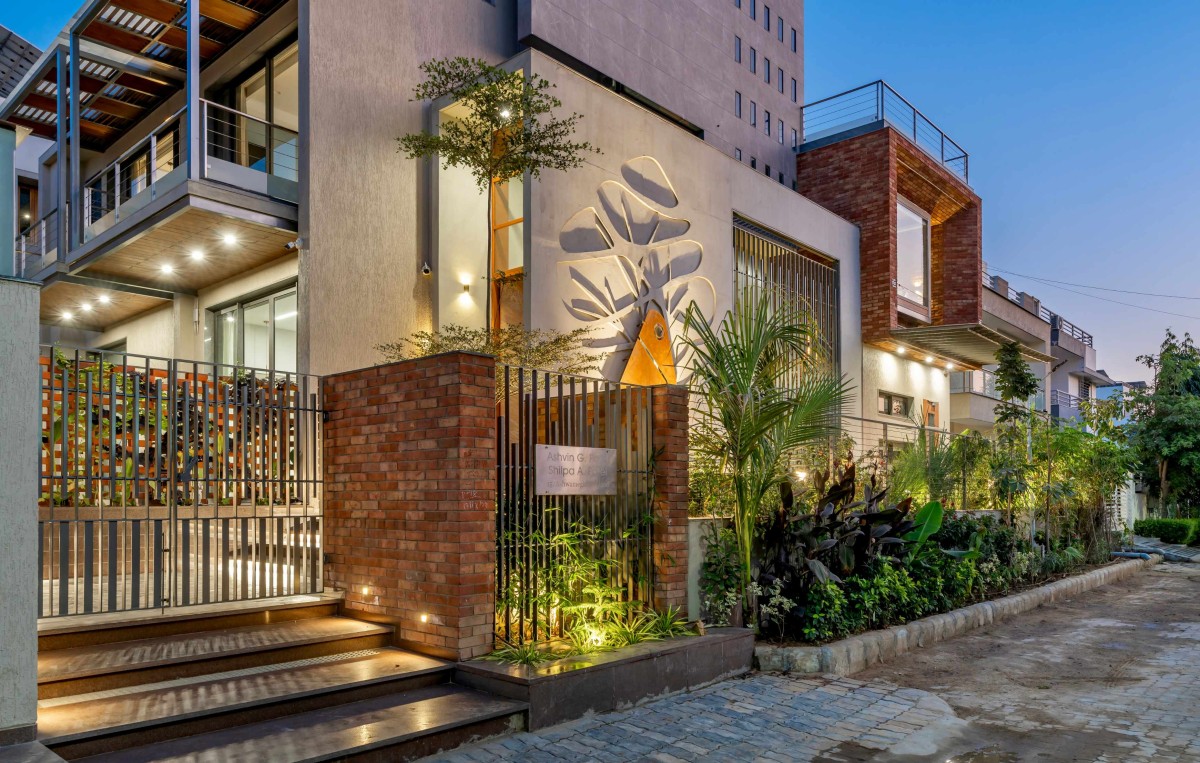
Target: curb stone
<point>857,653</point>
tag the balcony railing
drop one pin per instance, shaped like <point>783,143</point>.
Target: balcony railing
<point>984,383</point>
<point>238,149</point>
<point>1060,400</point>
<point>1064,326</point>
<point>37,246</point>
<point>878,102</point>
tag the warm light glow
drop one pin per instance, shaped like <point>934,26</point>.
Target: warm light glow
<point>196,254</point>
<point>366,590</point>
<point>424,618</point>
<point>901,350</point>
<point>466,287</point>
<point>103,299</point>
<point>801,475</point>
<point>949,366</point>
<point>86,306</point>
<point>505,113</point>
<point>229,239</point>
<point>25,216</point>
<point>167,269</point>
<point>230,319</point>
<point>67,316</point>
<point>928,358</point>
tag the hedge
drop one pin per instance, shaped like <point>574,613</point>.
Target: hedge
<point>1185,531</point>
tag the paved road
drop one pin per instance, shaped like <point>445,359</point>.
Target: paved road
<point>1109,677</point>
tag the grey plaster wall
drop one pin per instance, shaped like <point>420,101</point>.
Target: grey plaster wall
<point>710,188</point>
<point>364,210</point>
<point>19,441</point>
<point>680,54</point>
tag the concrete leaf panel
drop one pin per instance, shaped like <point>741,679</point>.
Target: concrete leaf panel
<point>646,176</point>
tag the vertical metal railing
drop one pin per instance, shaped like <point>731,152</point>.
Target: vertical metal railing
<point>537,536</point>
<point>167,483</point>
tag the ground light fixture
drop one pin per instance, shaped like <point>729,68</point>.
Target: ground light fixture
<point>801,475</point>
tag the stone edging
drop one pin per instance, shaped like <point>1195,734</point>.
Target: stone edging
<point>856,653</point>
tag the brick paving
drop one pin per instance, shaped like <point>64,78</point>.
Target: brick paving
<point>1109,677</point>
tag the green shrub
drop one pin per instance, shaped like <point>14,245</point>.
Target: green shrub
<point>1185,531</point>
<point>825,613</point>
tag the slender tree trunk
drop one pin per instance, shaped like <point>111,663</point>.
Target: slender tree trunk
<point>487,278</point>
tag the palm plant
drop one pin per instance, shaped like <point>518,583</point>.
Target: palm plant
<point>766,389</point>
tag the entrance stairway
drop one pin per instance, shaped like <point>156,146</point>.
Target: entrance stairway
<point>260,683</point>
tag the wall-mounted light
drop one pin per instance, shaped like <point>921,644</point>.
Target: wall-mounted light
<point>466,287</point>
<point>424,618</point>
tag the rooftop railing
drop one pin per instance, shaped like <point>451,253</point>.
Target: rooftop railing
<point>878,102</point>
<point>1064,326</point>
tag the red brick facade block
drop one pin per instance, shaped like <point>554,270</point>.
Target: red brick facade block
<point>410,499</point>
<point>861,178</point>
<point>670,496</point>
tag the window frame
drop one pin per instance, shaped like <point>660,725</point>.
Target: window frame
<point>891,398</point>
<point>928,253</point>
<point>269,295</point>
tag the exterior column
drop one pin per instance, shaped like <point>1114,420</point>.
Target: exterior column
<point>75,221</point>
<point>194,152</point>
<point>8,202</point>
<point>670,497</point>
<point>19,423</point>
<point>63,229</point>
<point>409,461</point>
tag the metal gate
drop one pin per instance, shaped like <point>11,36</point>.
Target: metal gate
<point>166,482</point>
<point>545,542</point>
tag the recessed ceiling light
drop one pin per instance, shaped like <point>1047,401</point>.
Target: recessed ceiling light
<point>86,306</point>
<point>67,316</point>
<point>229,239</point>
<point>949,366</point>
<point>167,269</point>
<point>901,350</point>
<point>928,358</point>
<point>196,254</point>
<point>103,299</point>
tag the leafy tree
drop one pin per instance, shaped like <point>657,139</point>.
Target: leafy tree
<point>508,129</point>
<point>1010,468</point>
<point>1014,381</point>
<point>766,391</point>
<point>1165,430</point>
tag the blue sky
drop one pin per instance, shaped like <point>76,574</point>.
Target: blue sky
<point>1082,120</point>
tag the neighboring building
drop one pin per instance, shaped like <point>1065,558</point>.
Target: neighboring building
<point>239,199</point>
<point>1075,378</point>
<point>1129,503</point>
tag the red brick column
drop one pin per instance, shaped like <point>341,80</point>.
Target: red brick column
<point>670,496</point>
<point>410,499</point>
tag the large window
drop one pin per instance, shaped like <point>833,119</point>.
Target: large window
<point>508,253</point>
<point>259,333</point>
<point>912,254</point>
<point>268,98</point>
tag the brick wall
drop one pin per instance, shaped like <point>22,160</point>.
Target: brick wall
<point>860,179</point>
<point>409,459</point>
<point>670,497</point>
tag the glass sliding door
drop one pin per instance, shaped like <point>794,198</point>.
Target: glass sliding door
<point>259,333</point>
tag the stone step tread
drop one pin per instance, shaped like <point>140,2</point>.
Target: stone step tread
<point>122,656</point>
<point>85,715</point>
<point>330,733</point>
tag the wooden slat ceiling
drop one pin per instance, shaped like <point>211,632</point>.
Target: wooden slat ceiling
<point>113,100</point>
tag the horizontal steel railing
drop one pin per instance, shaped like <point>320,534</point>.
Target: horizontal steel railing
<point>876,102</point>
<point>169,482</point>
<point>247,141</point>
<point>1070,329</point>
<point>36,246</point>
<point>1065,399</point>
<point>540,538</point>
<point>983,383</point>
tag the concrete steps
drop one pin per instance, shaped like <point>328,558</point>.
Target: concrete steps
<point>253,685</point>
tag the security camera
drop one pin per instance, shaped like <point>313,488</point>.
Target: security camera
<point>425,269</point>
<point>294,245</point>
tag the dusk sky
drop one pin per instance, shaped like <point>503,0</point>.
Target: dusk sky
<point>1080,119</point>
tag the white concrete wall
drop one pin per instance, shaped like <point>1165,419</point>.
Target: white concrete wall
<point>903,375</point>
<point>680,54</point>
<point>711,188</point>
<point>460,247</point>
<point>19,441</point>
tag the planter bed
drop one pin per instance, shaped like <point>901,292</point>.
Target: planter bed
<point>851,655</point>
<point>571,687</point>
